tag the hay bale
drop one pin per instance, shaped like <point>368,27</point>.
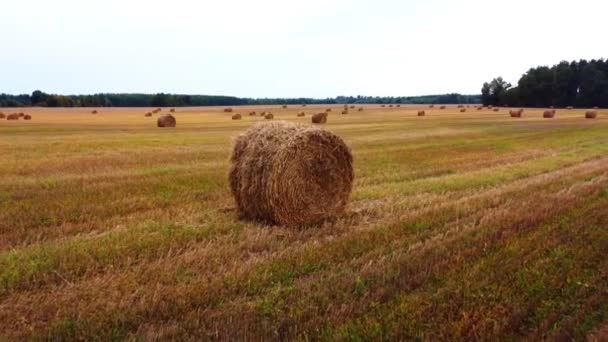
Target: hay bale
<point>462,110</point>
<point>148,114</point>
<point>352,107</point>
<point>264,113</point>
<point>516,113</point>
<point>172,110</point>
<point>228,110</point>
<point>14,116</point>
<point>569,108</point>
<point>328,110</point>
<point>548,114</point>
<point>432,106</point>
<point>284,106</point>
<point>252,113</point>
<point>421,113</point>
<point>360,109</point>
<point>390,106</point>
<point>236,117</point>
<point>344,112</point>
<point>21,115</point>
<point>383,106</point>
<point>94,112</point>
<point>591,114</point>
<point>301,114</point>
<point>166,120</point>
<point>269,116</point>
<point>27,117</point>
<point>496,109</point>
<point>2,115</point>
<point>290,174</point>
<point>479,108</point>
<point>303,104</point>
<point>319,118</point>
<point>399,106</point>
<point>460,106</point>
<point>442,107</point>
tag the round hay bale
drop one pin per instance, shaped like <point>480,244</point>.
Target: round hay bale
<point>303,104</point>
<point>399,106</point>
<point>442,107</point>
<point>421,113</point>
<point>263,113</point>
<point>390,106</point>
<point>228,110</point>
<point>269,116</point>
<point>591,114</point>
<point>301,114</point>
<point>344,112</point>
<point>94,112</point>
<point>166,120</point>
<point>328,110</point>
<point>172,110</point>
<point>479,108</point>
<point>383,106</point>
<point>2,115</point>
<point>432,106</point>
<point>236,117</point>
<point>496,109</point>
<point>21,115</point>
<point>548,114</point>
<point>284,106</point>
<point>319,118</point>
<point>360,109</point>
<point>14,116</point>
<point>516,113</point>
<point>290,174</point>
<point>352,107</point>
<point>27,117</point>
<point>252,113</point>
<point>148,114</point>
<point>462,110</point>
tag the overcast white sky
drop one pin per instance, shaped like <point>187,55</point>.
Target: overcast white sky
<point>281,48</point>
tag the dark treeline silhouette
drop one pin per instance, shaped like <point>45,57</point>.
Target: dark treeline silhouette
<point>39,98</point>
<point>578,84</point>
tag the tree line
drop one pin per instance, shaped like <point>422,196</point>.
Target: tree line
<point>41,99</point>
<point>578,84</point>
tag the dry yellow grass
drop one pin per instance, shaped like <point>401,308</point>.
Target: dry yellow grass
<point>462,226</point>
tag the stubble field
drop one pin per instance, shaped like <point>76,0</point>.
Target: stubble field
<point>461,226</point>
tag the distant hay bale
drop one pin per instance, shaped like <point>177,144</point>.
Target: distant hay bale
<point>148,114</point>
<point>460,106</point>
<point>328,110</point>
<point>284,106</point>
<point>496,109</point>
<point>157,110</point>
<point>548,114</point>
<point>516,113</point>
<point>94,112</point>
<point>21,115</point>
<point>252,113</point>
<point>319,118</point>
<point>489,107</point>
<point>290,174</point>
<point>166,120</point>
<point>391,106</point>
<point>383,106</point>
<point>352,107</point>
<point>301,114</point>
<point>303,104</point>
<point>421,113</point>
<point>462,110</point>
<point>172,110</point>
<point>13,116</point>
<point>569,108</point>
<point>360,109</point>
<point>2,115</point>
<point>344,112</point>
<point>591,114</point>
<point>228,110</point>
<point>263,113</point>
<point>269,116</point>
<point>27,117</point>
<point>479,108</point>
<point>236,117</point>
<point>442,107</point>
<point>399,105</point>
<point>432,106</point>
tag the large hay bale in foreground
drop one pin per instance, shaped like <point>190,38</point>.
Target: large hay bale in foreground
<point>27,117</point>
<point>319,118</point>
<point>14,116</point>
<point>166,120</point>
<point>549,114</point>
<point>290,174</point>
<point>421,113</point>
<point>591,114</point>
<point>237,117</point>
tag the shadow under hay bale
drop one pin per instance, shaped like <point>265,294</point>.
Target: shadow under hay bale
<point>290,174</point>
<point>319,118</point>
<point>166,120</point>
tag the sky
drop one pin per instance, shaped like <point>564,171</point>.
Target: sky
<point>282,48</point>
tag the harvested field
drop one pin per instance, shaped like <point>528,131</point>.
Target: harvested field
<point>460,226</point>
